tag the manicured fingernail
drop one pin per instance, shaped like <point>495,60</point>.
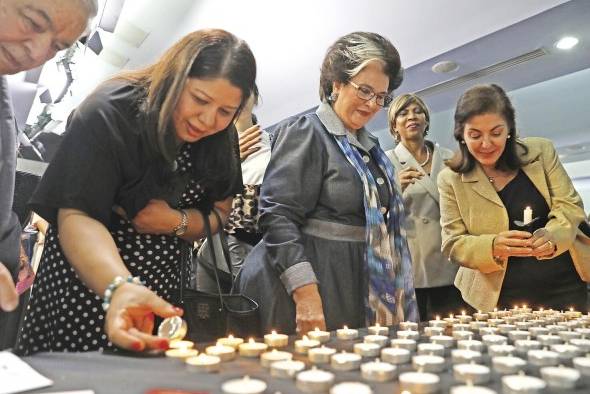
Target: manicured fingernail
<point>137,346</point>
<point>164,344</point>
<point>178,310</point>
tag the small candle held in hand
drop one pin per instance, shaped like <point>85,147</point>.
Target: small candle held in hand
<point>527,215</point>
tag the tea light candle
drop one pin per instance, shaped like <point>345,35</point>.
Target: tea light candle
<point>524,345</point>
<point>470,344</point>
<point>582,364</point>
<point>302,346</point>
<point>549,339</point>
<point>276,340</point>
<point>408,344</point>
<point>493,339</point>
<point>244,386</point>
<point>569,335</point>
<point>428,363</point>
<point>462,335</point>
<point>444,340</point>
<point>345,361</point>
<point>319,335</point>
<point>252,348</point>
<point>286,369</point>
<point>378,330</point>
<point>464,318</point>
<point>517,384</point>
<point>524,325</point>
<point>437,323</point>
<point>495,322</point>
<point>516,335</point>
<point>477,325</point>
<point>560,377</point>
<point>582,343</point>
<point>464,356</point>
<point>367,349</point>
<point>542,358</point>
<point>431,348</point>
<point>204,363</point>
<point>480,316</point>
<point>506,365</point>
<point>419,382</point>
<point>351,387</point>
<point>460,327</point>
<point>527,216</point>
<point>181,353</point>
<point>321,355</point>
<point>500,350</point>
<point>347,334</point>
<point>489,331</point>
<point>225,353</point>
<point>430,331</point>
<point>566,351</point>
<point>536,331</point>
<point>573,314</point>
<point>408,334</point>
<point>474,373</point>
<point>556,328</point>
<point>470,389</point>
<point>179,344</point>
<point>395,355</point>
<point>505,328</point>
<point>380,340</point>
<point>377,371</point>
<point>314,381</point>
<point>584,331</point>
<point>451,320</point>
<point>267,358</point>
<point>230,341</point>
<point>408,325</point>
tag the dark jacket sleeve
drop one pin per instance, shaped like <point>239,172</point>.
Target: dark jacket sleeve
<point>289,193</point>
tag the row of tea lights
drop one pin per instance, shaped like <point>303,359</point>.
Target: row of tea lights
<point>550,328</point>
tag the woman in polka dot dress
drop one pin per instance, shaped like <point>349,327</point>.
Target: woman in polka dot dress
<point>143,159</point>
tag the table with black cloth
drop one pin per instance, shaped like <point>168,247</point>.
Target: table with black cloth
<point>130,374</point>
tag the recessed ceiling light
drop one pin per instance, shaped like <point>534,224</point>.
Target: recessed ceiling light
<point>446,66</point>
<point>566,43</point>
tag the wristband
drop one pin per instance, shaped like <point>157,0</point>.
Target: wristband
<point>114,285</point>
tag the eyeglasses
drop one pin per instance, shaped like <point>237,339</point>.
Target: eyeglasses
<point>365,92</point>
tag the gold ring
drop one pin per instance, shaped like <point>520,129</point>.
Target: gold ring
<point>551,245</point>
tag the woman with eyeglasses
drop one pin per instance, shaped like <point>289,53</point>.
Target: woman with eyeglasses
<point>334,250</point>
<point>420,161</point>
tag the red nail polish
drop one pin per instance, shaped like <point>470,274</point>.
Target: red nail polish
<point>178,310</point>
<point>137,346</point>
<point>164,344</point>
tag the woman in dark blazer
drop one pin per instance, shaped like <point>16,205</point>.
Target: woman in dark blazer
<point>484,194</point>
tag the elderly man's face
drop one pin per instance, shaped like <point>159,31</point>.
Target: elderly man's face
<point>32,31</point>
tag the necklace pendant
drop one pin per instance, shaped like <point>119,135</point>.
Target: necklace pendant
<point>491,179</point>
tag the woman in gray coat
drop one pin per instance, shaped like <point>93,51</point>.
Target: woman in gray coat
<point>420,161</point>
<point>334,251</point>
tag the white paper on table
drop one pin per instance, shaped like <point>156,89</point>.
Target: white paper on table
<point>17,376</point>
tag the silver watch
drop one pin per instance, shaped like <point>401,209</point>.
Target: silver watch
<point>180,230</point>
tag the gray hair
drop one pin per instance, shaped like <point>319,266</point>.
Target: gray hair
<point>351,53</point>
<point>90,6</point>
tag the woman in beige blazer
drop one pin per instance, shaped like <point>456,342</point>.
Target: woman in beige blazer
<point>492,180</point>
<point>420,162</point>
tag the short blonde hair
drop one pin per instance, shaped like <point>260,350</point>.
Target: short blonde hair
<point>399,104</point>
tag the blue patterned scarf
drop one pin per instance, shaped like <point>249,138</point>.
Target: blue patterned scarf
<point>391,297</point>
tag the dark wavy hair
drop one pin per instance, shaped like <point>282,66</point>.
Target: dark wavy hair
<point>203,54</point>
<point>479,100</point>
<point>350,53</point>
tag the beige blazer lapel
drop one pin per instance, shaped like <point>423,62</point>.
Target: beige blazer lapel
<point>536,173</point>
<point>481,185</point>
<point>427,182</point>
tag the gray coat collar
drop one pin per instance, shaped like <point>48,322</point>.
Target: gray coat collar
<point>362,139</point>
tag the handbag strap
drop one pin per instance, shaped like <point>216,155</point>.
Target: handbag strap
<point>224,246</point>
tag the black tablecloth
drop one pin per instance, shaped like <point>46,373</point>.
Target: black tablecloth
<point>130,374</point>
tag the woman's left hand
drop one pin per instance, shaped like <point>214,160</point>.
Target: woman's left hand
<point>542,245</point>
<point>156,218</point>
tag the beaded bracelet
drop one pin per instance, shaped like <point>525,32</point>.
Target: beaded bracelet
<point>114,285</point>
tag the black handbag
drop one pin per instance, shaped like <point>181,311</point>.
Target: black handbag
<point>214,315</point>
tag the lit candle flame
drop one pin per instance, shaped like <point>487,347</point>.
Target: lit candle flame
<point>273,332</point>
<point>251,340</point>
<point>345,327</point>
<point>230,336</point>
